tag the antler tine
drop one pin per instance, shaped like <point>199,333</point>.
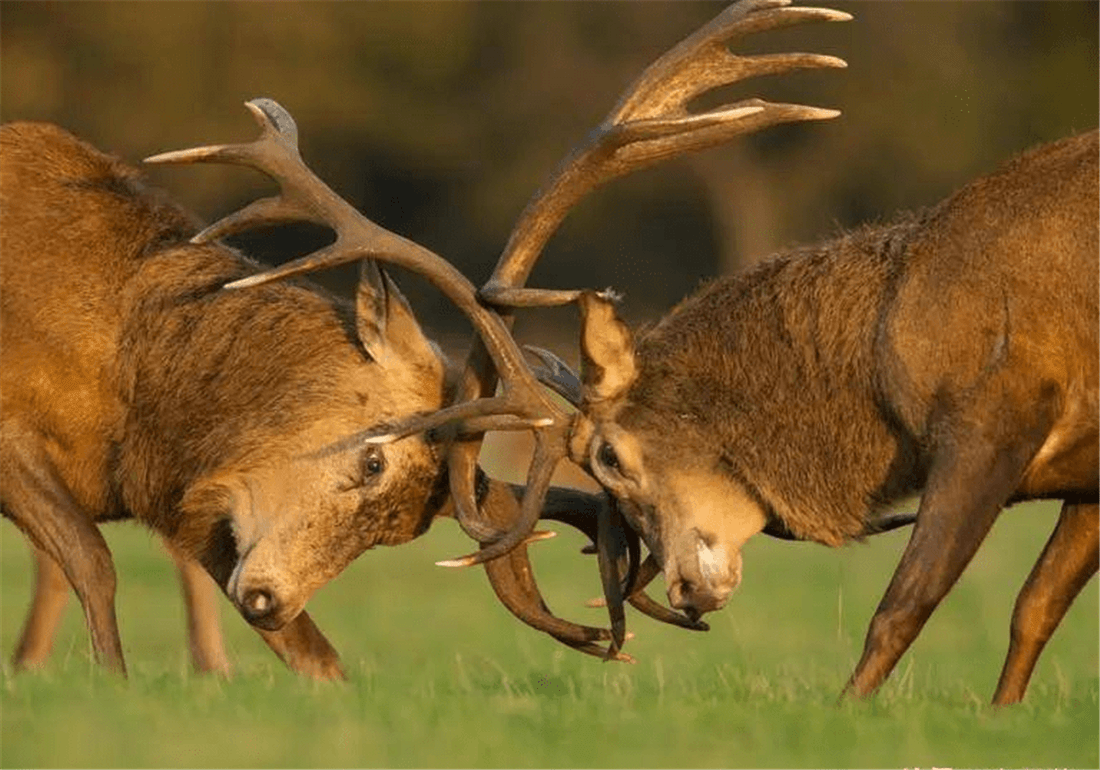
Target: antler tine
<point>275,153</point>
<point>556,375</point>
<point>641,601</point>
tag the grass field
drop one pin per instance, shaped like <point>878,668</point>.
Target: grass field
<point>442,676</point>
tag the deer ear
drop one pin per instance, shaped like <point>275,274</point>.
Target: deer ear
<point>608,368</point>
<point>370,308</point>
<point>387,328</point>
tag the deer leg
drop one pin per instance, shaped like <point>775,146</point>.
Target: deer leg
<point>42,507</point>
<point>1067,563</point>
<point>304,649</point>
<point>980,460</point>
<point>200,598</point>
<point>51,592</point>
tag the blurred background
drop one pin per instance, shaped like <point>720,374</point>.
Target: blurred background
<point>439,120</point>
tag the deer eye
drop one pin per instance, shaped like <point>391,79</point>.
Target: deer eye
<point>371,466</point>
<point>373,463</point>
<point>606,457</point>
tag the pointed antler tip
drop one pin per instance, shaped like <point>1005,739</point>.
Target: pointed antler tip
<point>465,561</point>
<point>240,283</point>
<point>543,534</point>
<point>385,438</point>
<point>620,657</point>
<point>267,112</point>
<point>180,156</point>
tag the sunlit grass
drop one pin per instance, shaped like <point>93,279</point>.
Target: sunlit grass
<point>441,675</point>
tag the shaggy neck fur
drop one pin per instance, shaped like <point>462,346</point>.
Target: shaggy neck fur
<point>774,372</point>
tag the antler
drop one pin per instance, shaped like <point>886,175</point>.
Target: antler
<point>652,122</point>
<point>521,404</point>
<point>514,583</point>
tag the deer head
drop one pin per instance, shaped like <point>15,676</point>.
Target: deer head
<point>652,122</point>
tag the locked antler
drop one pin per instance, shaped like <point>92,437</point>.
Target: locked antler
<point>651,123</point>
<point>522,404</point>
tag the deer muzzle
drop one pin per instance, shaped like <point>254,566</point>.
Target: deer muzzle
<point>701,573</point>
<point>260,596</point>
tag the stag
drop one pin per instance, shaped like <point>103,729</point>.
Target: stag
<point>950,353</point>
<point>133,387</point>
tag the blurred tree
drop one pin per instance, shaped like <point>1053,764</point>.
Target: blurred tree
<point>439,119</point>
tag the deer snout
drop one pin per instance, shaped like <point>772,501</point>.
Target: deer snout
<point>260,608</point>
<point>259,598</point>
<point>703,575</point>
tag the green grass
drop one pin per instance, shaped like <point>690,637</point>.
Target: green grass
<point>441,675</point>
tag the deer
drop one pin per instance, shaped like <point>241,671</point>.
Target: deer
<point>132,386</point>
<point>950,353</point>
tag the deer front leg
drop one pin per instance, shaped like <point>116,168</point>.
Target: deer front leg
<point>41,505</point>
<point>1067,563</point>
<point>51,592</point>
<point>200,598</point>
<point>978,464</point>
<point>304,649</point>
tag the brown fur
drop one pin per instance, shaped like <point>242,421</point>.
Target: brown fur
<point>952,353</point>
<point>805,356</point>
<point>132,386</point>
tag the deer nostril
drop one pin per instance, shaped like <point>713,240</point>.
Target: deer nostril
<point>258,605</point>
<point>680,594</point>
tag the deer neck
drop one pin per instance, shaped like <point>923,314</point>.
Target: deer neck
<point>776,370</point>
